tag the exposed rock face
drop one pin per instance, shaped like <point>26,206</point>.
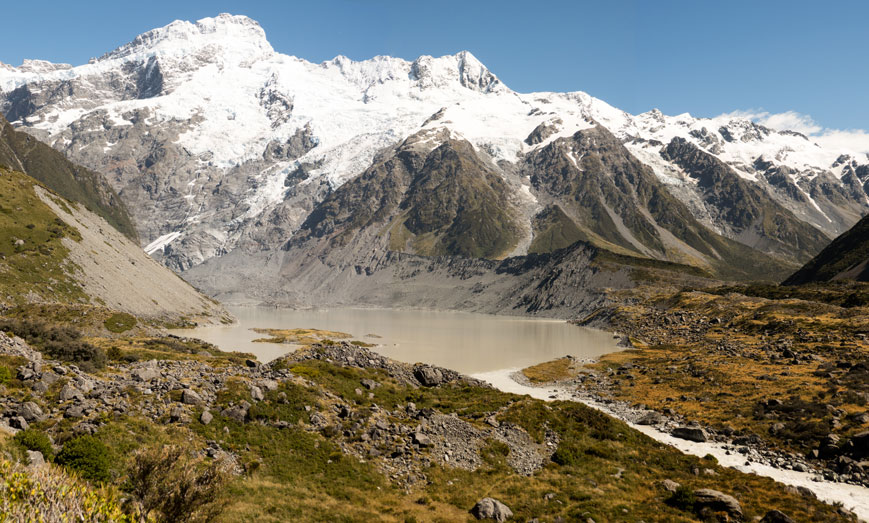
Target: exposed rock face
<point>744,210</point>
<point>441,201</point>
<point>557,284</point>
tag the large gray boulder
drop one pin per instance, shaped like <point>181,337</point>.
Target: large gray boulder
<point>428,376</point>
<point>422,440</point>
<point>716,501</point>
<point>191,397</point>
<point>146,373</point>
<point>237,412</point>
<point>69,392</point>
<point>35,458</point>
<point>690,433</point>
<point>256,393</point>
<point>490,508</point>
<point>31,412</point>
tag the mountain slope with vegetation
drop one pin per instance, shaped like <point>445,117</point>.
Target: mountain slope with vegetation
<point>54,251</point>
<point>21,152</point>
<point>846,258</point>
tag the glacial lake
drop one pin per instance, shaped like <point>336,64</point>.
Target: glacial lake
<point>466,342</point>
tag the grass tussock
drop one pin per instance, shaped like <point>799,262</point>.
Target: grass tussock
<point>551,371</point>
<point>299,336</point>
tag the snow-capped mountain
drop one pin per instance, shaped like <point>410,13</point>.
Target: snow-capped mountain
<point>217,142</point>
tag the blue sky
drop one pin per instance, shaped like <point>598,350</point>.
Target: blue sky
<point>701,57</point>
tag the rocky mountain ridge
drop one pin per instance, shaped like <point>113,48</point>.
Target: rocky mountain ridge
<point>219,144</point>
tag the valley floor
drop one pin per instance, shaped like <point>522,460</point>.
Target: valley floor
<point>338,432</point>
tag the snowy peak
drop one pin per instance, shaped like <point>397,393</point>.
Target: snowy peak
<point>230,32</point>
<point>42,66</point>
<point>462,67</point>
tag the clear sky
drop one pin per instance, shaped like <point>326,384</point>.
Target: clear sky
<point>701,57</point>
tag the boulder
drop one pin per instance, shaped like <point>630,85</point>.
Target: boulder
<point>690,433</point>
<point>490,508</point>
<point>716,501</point>
<point>69,392</point>
<point>651,418</point>
<point>31,412</point>
<point>35,458</point>
<point>145,374</point>
<point>268,384</point>
<point>75,411</point>
<point>236,412</point>
<point>422,440</point>
<point>179,415</point>
<point>428,376</point>
<point>670,485</point>
<point>776,516</point>
<point>191,397</point>
<point>206,417</point>
<point>256,393</point>
<point>859,444</point>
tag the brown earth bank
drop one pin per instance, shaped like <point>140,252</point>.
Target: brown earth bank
<point>337,432</point>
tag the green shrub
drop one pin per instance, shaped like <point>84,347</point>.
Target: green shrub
<point>568,455</point>
<point>120,322</point>
<point>114,353</point>
<point>174,486</point>
<point>57,341</point>
<point>682,499</point>
<point>5,374</point>
<point>87,456</point>
<point>32,439</point>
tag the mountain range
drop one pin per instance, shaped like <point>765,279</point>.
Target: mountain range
<point>264,176</point>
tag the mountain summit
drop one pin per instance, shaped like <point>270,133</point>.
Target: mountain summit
<point>225,31</point>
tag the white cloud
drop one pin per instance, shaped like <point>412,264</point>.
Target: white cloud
<point>852,140</point>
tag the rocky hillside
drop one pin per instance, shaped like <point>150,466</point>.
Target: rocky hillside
<point>55,251</point>
<point>218,144</point>
<point>21,152</point>
<point>337,431</point>
<point>846,258</point>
